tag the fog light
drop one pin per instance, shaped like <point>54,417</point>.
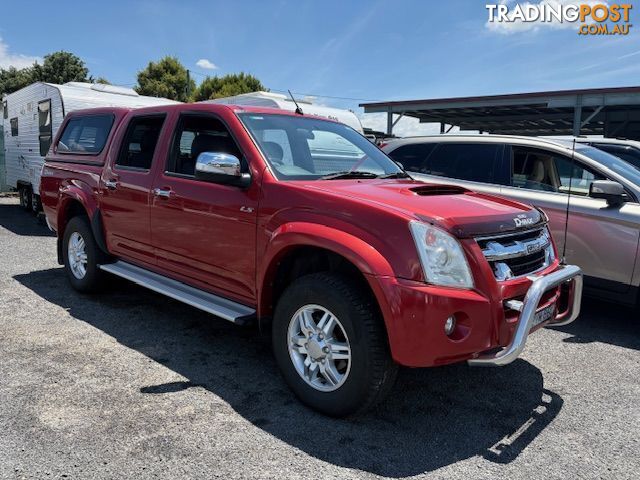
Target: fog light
<point>449,325</point>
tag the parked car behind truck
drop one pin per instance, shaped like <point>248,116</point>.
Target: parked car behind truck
<point>603,222</point>
<point>358,268</point>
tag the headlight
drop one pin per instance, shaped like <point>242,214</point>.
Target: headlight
<point>442,258</point>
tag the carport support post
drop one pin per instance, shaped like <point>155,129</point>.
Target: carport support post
<point>441,128</point>
<point>577,116</point>
<point>389,122</point>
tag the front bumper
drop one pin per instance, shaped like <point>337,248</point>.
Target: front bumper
<point>489,331</point>
<point>528,308</point>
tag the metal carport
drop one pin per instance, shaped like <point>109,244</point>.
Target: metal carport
<point>612,112</point>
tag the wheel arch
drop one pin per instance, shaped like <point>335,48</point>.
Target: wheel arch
<point>302,248</point>
<point>74,202</point>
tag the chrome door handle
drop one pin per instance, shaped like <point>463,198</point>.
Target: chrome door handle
<point>159,192</point>
<point>111,184</point>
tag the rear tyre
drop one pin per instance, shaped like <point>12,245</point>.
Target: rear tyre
<point>25,197</point>
<point>82,256</point>
<point>331,345</point>
<point>35,204</point>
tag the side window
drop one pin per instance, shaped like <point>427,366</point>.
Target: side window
<point>5,110</point>
<point>475,162</point>
<point>196,134</point>
<point>413,157</point>
<point>14,126</point>
<point>45,129</point>
<point>574,176</point>
<point>537,169</point>
<point>139,143</point>
<point>85,134</point>
<point>533,169</point>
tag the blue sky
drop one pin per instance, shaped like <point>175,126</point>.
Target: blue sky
<point>374,50</point>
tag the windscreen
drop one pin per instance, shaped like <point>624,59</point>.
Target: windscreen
<point>299,147</point>
<point>613,163</point>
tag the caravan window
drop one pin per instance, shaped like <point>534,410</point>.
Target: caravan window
<point>85,135</point>
<point>14,126</point>
<point>45,130</point>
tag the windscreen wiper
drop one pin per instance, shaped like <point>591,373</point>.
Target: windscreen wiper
<point>395,175</point>
<point>349,174</point>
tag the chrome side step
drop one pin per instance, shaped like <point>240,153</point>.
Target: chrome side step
<point>221,307</point>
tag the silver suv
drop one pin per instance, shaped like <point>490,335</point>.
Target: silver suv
<point>603,232</point>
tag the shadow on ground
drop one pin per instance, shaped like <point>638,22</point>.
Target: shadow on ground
<point>605,322</point>
<point>23,223</point>
<point>433,417</point>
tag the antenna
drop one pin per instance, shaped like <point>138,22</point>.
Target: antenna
<point>566,218</point>
<point>298,109</point>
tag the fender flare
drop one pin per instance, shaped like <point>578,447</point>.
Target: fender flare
<point>85,197</point>
<point>369,261</point>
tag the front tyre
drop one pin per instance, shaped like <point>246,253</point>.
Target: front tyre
<point>82,256</point>
<point>330,343</point>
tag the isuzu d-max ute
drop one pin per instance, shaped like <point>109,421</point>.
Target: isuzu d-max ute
<point>302,224</point>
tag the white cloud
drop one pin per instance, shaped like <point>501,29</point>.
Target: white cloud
<point>406,126</point>
<point>206,64</point>
<point>8,59</point>
<point>553,23</point>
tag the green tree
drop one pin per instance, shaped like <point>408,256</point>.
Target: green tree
<point>101,80</point>
<point>12,79</point>
<point>166,78</point>
<point>60,67</point>
<point>227,86</point>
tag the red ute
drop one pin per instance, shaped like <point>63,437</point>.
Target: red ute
<point>256,214</point>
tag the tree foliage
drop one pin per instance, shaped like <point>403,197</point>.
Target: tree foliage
<point>227,86</point>
<point>12,79</point>
<point>166,78</point>
<point>60,67</point>
<point>57,67</point>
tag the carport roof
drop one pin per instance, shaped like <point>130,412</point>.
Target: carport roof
<point>597,111</point>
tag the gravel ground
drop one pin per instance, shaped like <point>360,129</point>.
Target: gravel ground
<point>129,384</point>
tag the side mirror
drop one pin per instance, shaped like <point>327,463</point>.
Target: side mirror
<point>221,168</point>
<point>608,190</point>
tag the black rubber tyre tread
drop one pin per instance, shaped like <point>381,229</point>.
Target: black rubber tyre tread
<point>371,376</point>
<point>95,279</point>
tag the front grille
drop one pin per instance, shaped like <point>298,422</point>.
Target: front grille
<point>527,264</point>
<point>518,254</point>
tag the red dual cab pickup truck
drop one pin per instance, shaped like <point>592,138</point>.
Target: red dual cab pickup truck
<point>301,223</point>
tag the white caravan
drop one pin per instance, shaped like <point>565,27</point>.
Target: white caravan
<point>32,115</point>
<point>282,102</point>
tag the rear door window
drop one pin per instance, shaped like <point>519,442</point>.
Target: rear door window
<point>474,162</point>
<point>413,157</point>
<point>85,135</point>
<point>139,143</point>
